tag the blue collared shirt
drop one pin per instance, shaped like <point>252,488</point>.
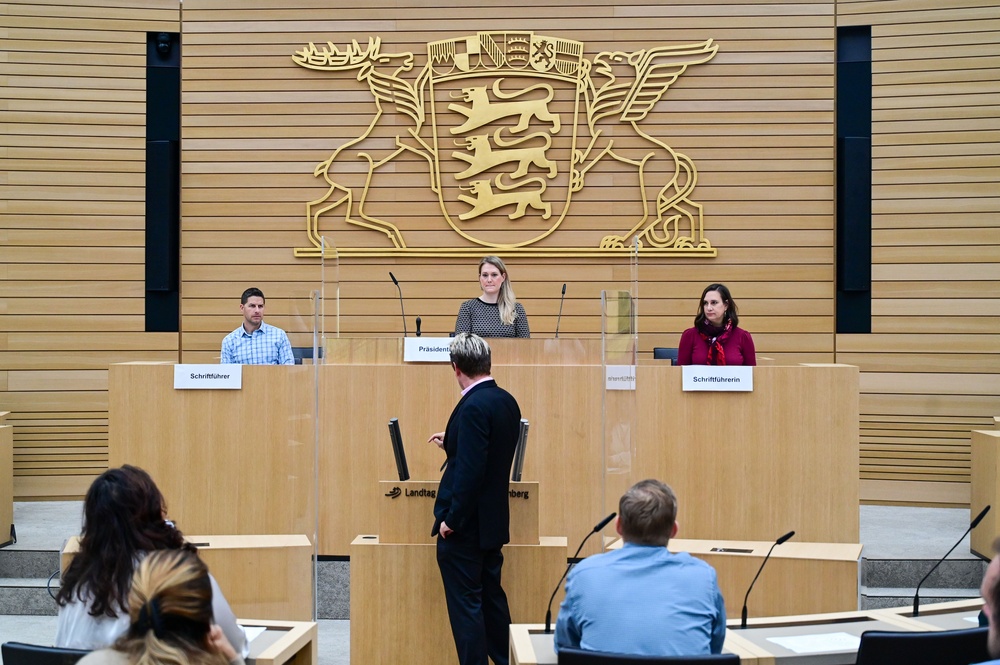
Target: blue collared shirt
<point>266,346</point>
<point>642,600</point>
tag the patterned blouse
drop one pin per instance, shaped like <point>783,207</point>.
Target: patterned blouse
<point>483,319</point>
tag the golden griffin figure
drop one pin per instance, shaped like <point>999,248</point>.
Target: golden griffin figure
<point>497,118</point>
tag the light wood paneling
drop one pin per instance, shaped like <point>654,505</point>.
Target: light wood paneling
<point>71,228</point>
<point>757,120</point>
<point>929,370</point>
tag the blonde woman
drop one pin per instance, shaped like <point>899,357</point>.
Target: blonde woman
<point>496,313</point>
<point>170,612</point>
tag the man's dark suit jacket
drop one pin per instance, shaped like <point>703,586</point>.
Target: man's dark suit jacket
<point>479,440</point>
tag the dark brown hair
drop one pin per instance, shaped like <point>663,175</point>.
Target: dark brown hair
<point>123,518</point>
<point>732,312</point>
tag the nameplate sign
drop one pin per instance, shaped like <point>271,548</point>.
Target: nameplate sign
<point>619,377</point>
<point>426,349</point>
<point>717,378</point>
<point>208,377</point>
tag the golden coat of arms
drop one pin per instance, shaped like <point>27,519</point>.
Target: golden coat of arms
<point>510,124</point>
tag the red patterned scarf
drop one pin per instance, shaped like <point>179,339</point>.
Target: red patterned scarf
<point>715,336</point>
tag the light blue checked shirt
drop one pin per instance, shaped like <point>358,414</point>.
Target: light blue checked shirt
<point>642,600</point>
<point>266,346</point>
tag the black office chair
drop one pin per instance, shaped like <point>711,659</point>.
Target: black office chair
<point>19,653</point>
<point>301,353</point>
<point>568,656</point>
<point>945,647</point>
<point>665,353</point>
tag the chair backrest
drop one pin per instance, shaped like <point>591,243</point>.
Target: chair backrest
<point>19,653</point>
<point>569,656</point>
<point>944,647</point>
<point>301,353</point>
<point>665,353</point>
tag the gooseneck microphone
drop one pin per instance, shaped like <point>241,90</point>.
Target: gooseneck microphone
<point>743,613</point>
<point>548,612</point>
<point>559,319</point>
<point>418,326</point>
<point>972,525</point>
<point>396,282</point>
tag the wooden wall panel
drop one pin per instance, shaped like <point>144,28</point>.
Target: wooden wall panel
<point>930,366</point>
<point>757,120</point>
<point>72,228</point>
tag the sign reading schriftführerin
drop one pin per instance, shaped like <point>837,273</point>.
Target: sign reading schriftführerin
<point>727,378</point>
<point>426,350</point>
<point>208,377</point>
<point>619,377</point>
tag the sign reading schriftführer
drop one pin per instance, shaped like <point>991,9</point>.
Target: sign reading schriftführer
<point>619,377</point>
<point>426,349</point>
<point>208,377</point>
<point>728,378</point>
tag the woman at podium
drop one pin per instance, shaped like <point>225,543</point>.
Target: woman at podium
<point>716,338</point>
<point>496,313</point>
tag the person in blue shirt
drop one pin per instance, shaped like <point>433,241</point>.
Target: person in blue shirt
<point>990,590</point>
<point>255,342</point>
<point>642,599</point>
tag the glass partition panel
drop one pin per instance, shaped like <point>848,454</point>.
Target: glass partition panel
<point>620,348</point>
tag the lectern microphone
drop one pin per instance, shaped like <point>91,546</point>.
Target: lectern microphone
<point>548,612</point>
<point>972,525</point>
<point>396,282</point>
<point>743,613</point>
<point>559,319</point>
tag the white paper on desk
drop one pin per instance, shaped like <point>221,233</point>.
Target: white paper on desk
<point>818,643</point>
<point>974,620</point>
<point>253,632</point>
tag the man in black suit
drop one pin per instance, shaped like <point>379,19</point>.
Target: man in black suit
<point>471,513</point>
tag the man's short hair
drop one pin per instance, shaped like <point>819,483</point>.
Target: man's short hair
<point>470,354</point>
<point>252,292</point>
<point>647,512</point>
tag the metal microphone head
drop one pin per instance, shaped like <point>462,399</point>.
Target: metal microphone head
<point>784,538</point>
<point>393,278</point>
<point>564,289</point>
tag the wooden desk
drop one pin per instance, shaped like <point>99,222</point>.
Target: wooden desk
<point>829,570</point>
<point>398,611</point>
<point>956,615</point>
<point>746,466</point>
<point>985,490</point>
<point>530,645</point>
<point>292,642</point>
<point>261,576</point>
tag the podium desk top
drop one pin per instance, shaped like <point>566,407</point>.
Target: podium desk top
<point>789,550</point>
<point>807,635</point>
<point>282,641</point>
<point>531,645</point>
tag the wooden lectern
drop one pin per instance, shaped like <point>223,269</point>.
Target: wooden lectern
<point>6,481</point>
<point>398,611</point>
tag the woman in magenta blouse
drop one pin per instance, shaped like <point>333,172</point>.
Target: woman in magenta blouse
<point>716,338</point>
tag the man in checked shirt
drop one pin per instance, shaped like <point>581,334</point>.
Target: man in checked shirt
<point>255,342</point>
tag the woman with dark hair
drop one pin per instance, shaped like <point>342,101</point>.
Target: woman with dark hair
<point>124,519</point>
<point>716,338</point>
<point>496,313</point>
<point>170,617</point>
